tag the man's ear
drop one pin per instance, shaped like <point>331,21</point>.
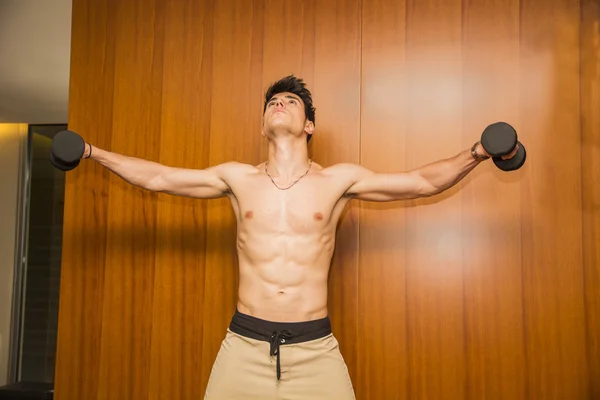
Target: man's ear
<point>309,128</point>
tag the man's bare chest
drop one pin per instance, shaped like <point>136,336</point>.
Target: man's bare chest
<point>310,205</point>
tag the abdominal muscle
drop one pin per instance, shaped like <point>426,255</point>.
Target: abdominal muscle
<point>283,277</point>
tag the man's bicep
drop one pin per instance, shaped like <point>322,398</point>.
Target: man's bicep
<point>209,183</point>
<point>373,186</point>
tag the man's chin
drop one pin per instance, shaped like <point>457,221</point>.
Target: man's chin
<point>280,131</point>
<point>279,127</point>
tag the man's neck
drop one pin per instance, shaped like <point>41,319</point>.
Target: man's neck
<point>288,158</point>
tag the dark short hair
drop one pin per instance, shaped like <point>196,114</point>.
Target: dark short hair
<point>296,86</point>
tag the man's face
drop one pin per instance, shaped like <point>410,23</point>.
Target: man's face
<point>285,114</point>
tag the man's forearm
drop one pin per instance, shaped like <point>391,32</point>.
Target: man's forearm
<point>133,170</point>
<point>446,173</point>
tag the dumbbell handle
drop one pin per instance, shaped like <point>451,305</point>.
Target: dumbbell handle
<point>512,154</point>
<point>487,155</point>
<point>478,152</point>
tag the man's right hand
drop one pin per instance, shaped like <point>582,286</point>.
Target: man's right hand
<point>88,151</point>
<point>67,150</point>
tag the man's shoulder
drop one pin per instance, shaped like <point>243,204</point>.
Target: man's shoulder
<point>237,167</point>
<point>341,170</point>
<point>232,171</point>
<point>346,175</point>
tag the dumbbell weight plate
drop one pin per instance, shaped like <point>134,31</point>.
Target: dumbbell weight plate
<point>513,163</point>
<point>67,146</point>
<point>499,139</point>
<point>62,165</point>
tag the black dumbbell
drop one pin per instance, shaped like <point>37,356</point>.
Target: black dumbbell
<point>67,150</point>
<point>500,139</point>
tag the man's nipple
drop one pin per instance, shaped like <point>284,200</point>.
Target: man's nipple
<point>249,215</point>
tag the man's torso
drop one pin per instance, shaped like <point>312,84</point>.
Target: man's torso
<point>285,241</point>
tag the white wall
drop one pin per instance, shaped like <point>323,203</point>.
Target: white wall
<point>35,48</point>
<point>12,138</point>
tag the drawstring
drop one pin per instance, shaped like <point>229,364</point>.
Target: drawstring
<point>278,338</point>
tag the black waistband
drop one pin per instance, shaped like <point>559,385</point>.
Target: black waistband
<point>279,333</point>
<point>296,332</point>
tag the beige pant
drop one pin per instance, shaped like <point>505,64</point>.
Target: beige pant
<point>310,370</point>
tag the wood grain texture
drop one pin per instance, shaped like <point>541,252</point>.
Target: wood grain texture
<point>81,298</point>
<point>434,232</point>
<point>382,324</point>
<point>132,212</point>
<point>178,316</point>
<point>488,291</point>
<point>492,266</point>
<point>590,178</point>
<point>554,316</point>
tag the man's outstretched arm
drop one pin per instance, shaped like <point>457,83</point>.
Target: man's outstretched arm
<point>428,180</point>
<point>207,183</point>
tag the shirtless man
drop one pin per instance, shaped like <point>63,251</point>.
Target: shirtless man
<point>279,343</point>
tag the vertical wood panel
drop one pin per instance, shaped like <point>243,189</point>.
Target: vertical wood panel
<point>336,139</point>
<point>552,242</point>
<point>590,170</point>
<point>130,254</point>
<point>81,298</point>
<point>382,294</point>
<point>181,241</point>
<point>434,230</point>
<point>234,135</point>
<point>493,300</point>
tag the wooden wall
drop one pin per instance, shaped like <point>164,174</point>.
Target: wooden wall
<point>488,291</point>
